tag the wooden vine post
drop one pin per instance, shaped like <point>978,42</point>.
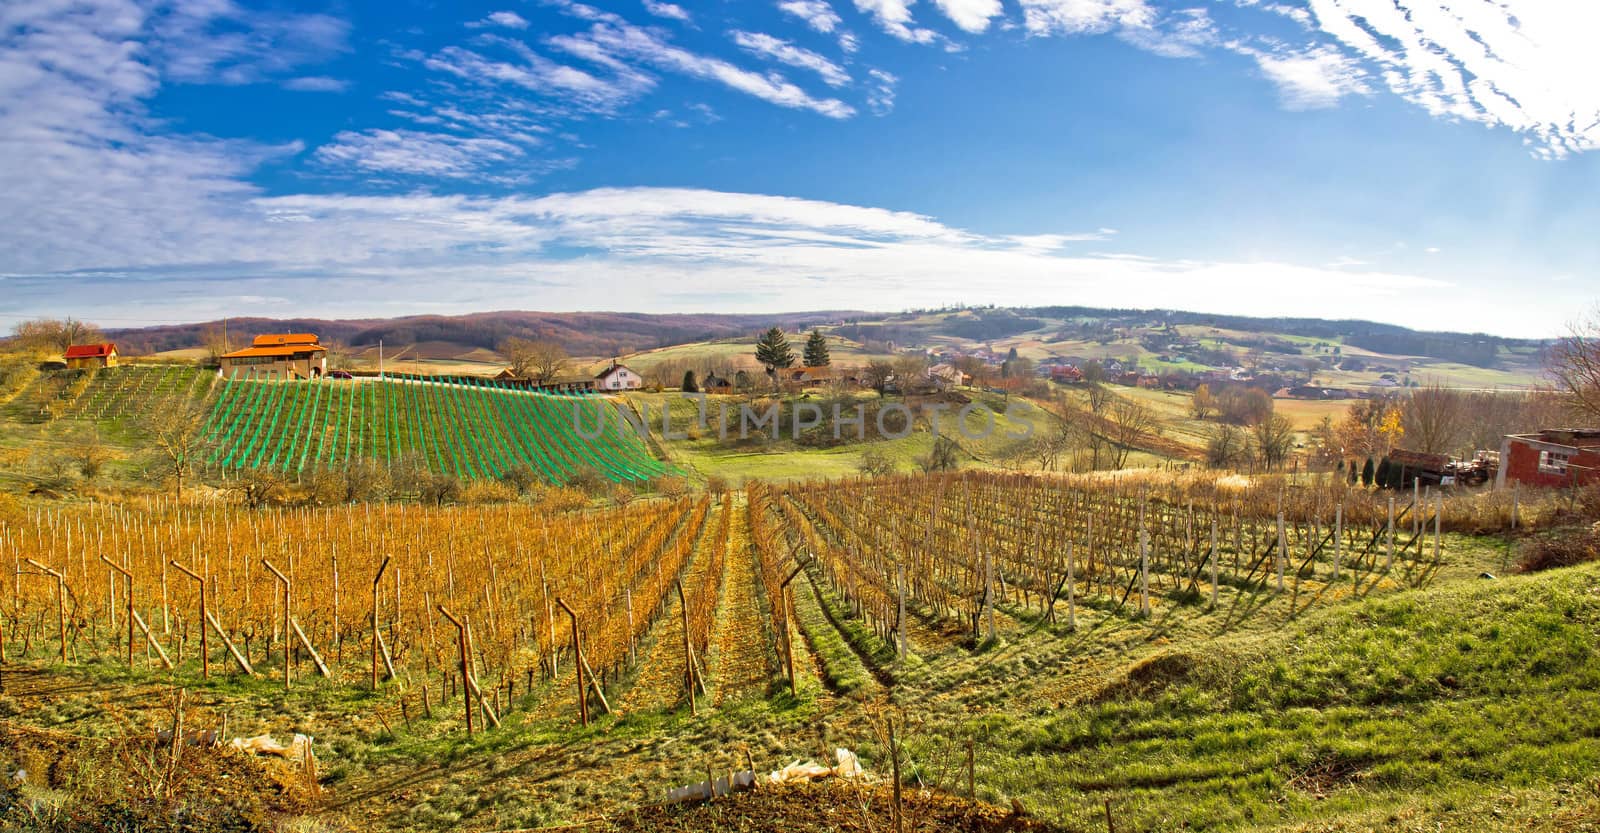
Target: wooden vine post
<point>288,587</point>
<point>377,637</point>
<point>577,661</point>
<point>128,582</point>
<point>788,641</point>
<point>688,649</point>
<point>61,604</point>
<point>466,663</point>
<point>205,645</point>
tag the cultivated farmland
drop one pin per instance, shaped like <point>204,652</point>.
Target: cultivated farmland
<point>763,611</point>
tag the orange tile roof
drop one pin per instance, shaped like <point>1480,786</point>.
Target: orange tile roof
<point>288,350</point>
<point>285,339</point>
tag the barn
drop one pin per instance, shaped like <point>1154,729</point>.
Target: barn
<point>90,356</point>
<point>1551,458</point>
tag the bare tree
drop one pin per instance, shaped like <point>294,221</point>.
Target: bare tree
<point>877,375</point>
<point>55,335</point>
<point>1274,438</point>
<point>1574,364</point>
<point>1435,419</point>
<point>1129,422</point>
<point>1227,448</point>
<point>175,431</point>
<point>1203,403</point>
<point>540,360</point>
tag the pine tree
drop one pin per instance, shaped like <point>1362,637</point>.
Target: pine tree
<point>773,351</point>
<point>816,352</point>
<point>1367,473</point>
<point>1355,476</point>
<point>689,385</point>
<point>1380,477</point>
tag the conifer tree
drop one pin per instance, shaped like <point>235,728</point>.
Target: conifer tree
<point>816,352</point>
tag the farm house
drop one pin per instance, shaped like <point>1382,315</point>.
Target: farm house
<point>287,356</point>
<point>618,377</point>
<point>91,356</point>
<point>1550,458</point>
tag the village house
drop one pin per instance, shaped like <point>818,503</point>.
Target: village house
<point>618,377</point>
<point>811,375</point>
<point>712,383</point>
<point>1551,458</point>
<point>286,356</point>
<point>946,375</point>
<point>91,356</point>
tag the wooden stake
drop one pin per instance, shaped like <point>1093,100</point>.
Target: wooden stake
<point>577,654</point>
<point>205,646</point>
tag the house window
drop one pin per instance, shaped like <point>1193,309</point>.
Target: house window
<point>1553,462</point>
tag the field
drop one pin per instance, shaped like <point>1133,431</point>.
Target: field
<point>1181,648</point>
<point>469,429</point>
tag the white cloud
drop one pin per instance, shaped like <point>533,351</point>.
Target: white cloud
<point>507,20</point>
<point>1085,17</point>
<point>416,153</point>
<point>218,42</point>
<point>537,73</point>
<point>1313,79</point>
<point>667,10</point>
<point>816,13</point>
<point>1177,33</point>
<point>1529,65</point>
<point>785,52</point>
<point>880,91</point>
<point>894,17</point>
<point>317,84</point>
<point>971,16</point>
<point>614,41</point>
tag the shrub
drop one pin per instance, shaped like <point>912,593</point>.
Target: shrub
<point>520,477</point>
<point>589,481</point>
<point>1547,552</point>
<point>439,489</point>
<point>716,484</point>
<point>488,491</point>
<point>875,464</point>
<point>672,486</point>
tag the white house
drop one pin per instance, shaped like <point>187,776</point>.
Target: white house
<point>618,377</point>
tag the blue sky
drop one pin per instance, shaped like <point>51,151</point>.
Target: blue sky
<point>1429,164</point>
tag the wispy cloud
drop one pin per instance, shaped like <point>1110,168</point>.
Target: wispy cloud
<point>1312,79</point>
<point>614,41</point>
<point>671,11</point>
<point>894,17</point>
<point>880,91</point>
<point>506,20</point>
<point>816,13</point>
<point>416,153</point>
<point>317,84</point>
<point>971,16</point>
<point>784,52</point>
<point>1529,65</point>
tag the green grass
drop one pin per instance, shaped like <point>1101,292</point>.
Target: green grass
<point>1488,683</point>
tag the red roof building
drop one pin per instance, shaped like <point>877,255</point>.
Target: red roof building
<point>80,356</point>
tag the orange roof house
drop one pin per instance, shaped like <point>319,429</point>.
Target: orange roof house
<point>286,356</point>
<point>80,356</point>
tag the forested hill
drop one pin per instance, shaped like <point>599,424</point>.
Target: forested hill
<point>581,333</point>
<point>619,333</point>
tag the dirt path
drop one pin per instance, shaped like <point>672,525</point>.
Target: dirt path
<point>660,681</point>
<point>741,666</point>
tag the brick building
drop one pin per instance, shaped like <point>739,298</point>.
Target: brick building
<point>1550,458</point>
